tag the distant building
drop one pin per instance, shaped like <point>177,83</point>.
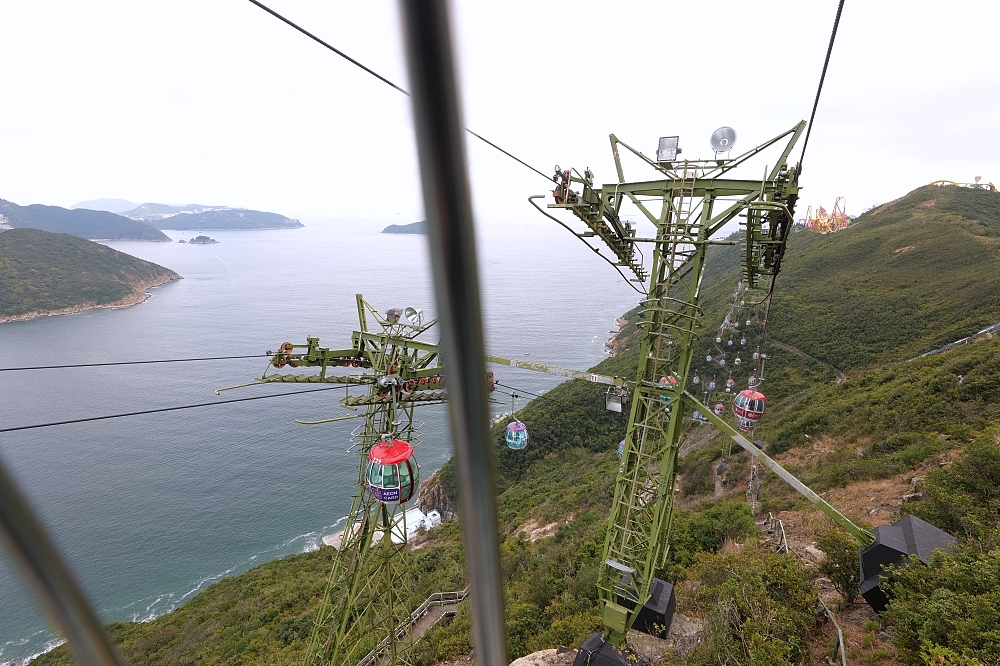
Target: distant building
<point>415,521</point>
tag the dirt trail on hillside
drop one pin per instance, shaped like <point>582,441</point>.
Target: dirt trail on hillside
<point>841,377</point>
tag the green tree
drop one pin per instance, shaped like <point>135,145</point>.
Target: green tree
<point>842,563</point>
<point>948,609</point>
<point>964,499</point>
<point>759,608</point>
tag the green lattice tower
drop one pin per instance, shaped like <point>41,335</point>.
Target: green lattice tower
<point>696,200</point>
<point>365,612</point>
<point>366,600</point>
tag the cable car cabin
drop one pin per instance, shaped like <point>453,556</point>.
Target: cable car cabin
<point>749,404</point>
<point>752,381</point>
<point>696,380</point>
<point>746,425</point>
<point>517,435</point>
<point>719,409</point>
<point>393,473</point>
<point>711,385</point>
<point>730,383</point>
<point>616,399</point>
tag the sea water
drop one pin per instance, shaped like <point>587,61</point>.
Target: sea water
<point>149,510</point>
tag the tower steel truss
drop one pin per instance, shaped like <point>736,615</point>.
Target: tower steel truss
<point>365,612</point>
<point>696,199</point>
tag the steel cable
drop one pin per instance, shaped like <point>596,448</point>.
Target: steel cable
<point>109,363</point>
<point>164,409</point>
<point>822,77</point>
<point>386,81</point>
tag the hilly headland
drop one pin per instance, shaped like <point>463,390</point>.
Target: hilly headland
<point>142,222</point>
<point>43,273</point>
<point>208,218</point>
<point>876,434</point>
<point>412,228</point>
<point>82,222</point>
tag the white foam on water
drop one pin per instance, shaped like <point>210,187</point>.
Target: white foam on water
<point>51,644</point>
<point>169,601</point>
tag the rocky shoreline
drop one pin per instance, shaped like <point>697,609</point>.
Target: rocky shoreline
<point>138,295</point>
<point>617,341</point>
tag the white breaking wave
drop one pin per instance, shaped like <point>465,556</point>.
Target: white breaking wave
<point>50,644</point>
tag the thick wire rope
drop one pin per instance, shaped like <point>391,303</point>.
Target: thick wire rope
<point>822,77</point>
<point>520,391</point>
<point>386,81</point>
<point>100,365</point>
<point>596,250</point>
<point>812,117</point>
<point>164,409</point>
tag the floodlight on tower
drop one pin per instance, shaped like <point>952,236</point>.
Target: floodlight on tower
<point>722,141</point>
<point>667,150</point>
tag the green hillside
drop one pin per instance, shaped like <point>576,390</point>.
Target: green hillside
<point>904,279</point>
<point>46,272</point>
<point>94,224</point>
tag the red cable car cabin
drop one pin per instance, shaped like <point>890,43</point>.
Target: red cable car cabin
<point>749,404</point>
<point>393,473</point>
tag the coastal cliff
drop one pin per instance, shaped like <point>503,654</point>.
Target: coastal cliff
<point>433,495</point>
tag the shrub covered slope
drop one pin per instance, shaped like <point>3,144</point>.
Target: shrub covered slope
<point>42,271</point>
<point>904,279</point>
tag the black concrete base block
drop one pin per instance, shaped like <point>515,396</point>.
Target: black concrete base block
<point>894,544</point>
<point>595,652</point>
<point>657,613</point>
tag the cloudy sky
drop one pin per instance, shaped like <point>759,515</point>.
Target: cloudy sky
<point>216,102</point>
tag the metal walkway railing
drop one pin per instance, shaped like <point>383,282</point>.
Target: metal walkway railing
<point>436,599</point>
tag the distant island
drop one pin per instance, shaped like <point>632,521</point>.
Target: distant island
<point>118,206</point>
<point>45,273</point>
<point>208,218</point>
<point>414,228</point>
<point>202,240</point>
<point>81,222</point>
